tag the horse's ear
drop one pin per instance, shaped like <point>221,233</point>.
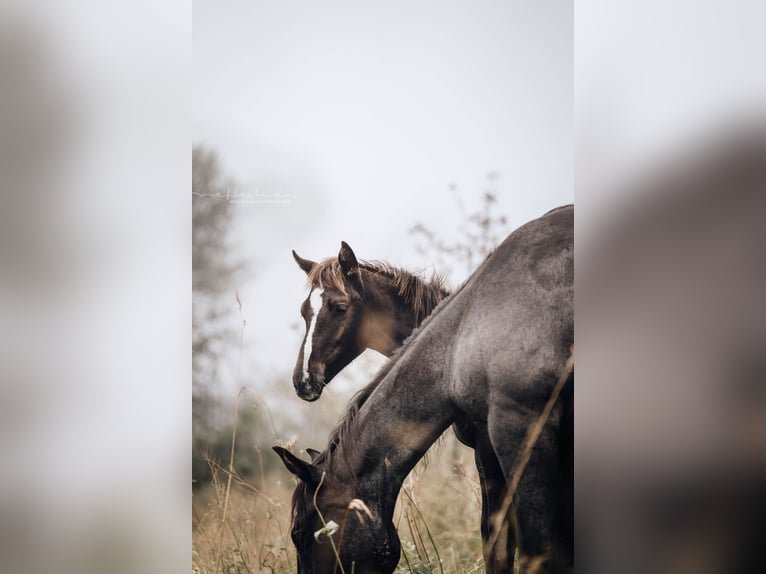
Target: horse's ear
<point>306,264</point>
<point>313,453</point>
<point>306,471</point>
<point>347,259</point>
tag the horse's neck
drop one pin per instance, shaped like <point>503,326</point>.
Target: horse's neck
<point>394,428</point>
<point>385,329</point>
<point>389,319</point>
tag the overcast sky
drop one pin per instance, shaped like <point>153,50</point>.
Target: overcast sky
<point>361,115</point>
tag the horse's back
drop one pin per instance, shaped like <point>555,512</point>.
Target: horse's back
<point>517,320</point>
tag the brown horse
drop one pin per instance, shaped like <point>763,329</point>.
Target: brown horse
<point>353,306</point>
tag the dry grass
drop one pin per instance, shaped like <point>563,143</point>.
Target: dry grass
<point>244,527</point>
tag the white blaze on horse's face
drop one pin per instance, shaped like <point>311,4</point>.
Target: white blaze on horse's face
<point>315,301</point>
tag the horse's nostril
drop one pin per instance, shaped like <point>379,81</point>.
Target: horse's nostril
<point>308,385</point>
<point>310,393</point>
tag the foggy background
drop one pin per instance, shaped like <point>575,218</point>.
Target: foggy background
<point>359,117</point>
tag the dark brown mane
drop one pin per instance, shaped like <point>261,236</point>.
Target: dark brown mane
<point>423,295</point>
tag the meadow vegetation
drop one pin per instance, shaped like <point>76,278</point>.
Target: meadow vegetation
<point>248,531</point>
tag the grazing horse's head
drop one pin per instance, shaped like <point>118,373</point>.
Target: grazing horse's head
<point>362,541</point>
<point>332,312</point>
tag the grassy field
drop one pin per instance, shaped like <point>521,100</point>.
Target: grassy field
<point>245,527</point>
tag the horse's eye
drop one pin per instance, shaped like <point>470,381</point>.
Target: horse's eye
<point>340,308</point>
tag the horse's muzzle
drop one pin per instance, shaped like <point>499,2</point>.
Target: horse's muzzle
<point>309,388</point>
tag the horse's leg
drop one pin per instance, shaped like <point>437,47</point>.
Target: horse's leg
<point>536,501</point>
<point>498,559</point>
<point>566,465</point>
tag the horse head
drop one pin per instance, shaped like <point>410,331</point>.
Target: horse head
<point>330,526</point>
<point>332,312</point>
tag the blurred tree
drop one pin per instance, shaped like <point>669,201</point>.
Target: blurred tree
<point>211,216</point>
<point>477,235</point>
<point>213,281</point>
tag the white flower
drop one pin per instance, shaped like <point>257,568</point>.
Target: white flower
<point>330,528</point>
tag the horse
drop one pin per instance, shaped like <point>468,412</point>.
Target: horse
<point>353,306</point>
<point>488,357</point>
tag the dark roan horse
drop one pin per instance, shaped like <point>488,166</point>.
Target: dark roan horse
<point>487,359</point>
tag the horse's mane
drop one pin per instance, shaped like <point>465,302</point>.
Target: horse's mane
<point>423,294</point>
<point>302,502</point>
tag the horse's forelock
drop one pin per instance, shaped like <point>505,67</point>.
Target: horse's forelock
<point>327,274</point>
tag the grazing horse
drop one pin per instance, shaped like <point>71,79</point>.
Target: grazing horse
<point>353,306</point>
<point>487,358</point>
